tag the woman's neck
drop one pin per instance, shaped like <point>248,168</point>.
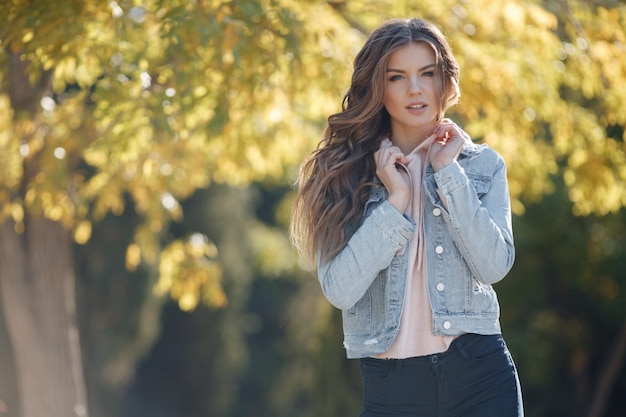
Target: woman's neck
<point>407,141</point>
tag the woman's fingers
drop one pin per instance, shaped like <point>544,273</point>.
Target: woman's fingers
<point>393,179</point>
<point>449,139</point>
<point>388,156</point>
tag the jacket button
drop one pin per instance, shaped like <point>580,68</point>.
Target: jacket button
<point>447,325</point>
<point>437,211</point>
<point>439,249</point>
<point>440,287</point>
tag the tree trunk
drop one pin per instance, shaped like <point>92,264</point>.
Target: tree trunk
<point>610,372</point>
<point>37,286</point>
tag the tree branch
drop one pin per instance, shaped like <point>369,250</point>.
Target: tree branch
<point>23,94</point>
<point>340,7</point>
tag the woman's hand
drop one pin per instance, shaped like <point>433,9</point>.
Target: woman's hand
<point>391,175</point>
<point>449,139</point>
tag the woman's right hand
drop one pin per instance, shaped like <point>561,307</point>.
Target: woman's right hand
<point>394,177</point>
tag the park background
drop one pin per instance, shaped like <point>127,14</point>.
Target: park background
<point>148,150</point>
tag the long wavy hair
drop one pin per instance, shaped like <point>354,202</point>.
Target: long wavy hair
<point>335,179</point>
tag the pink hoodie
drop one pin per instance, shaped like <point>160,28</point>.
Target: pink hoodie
<point>416,336</point>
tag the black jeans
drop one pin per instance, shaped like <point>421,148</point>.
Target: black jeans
<point>475,377</point>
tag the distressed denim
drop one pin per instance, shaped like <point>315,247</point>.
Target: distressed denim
<point>468,245</point>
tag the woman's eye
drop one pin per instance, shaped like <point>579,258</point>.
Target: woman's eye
<point>395,77</point>
<point>428,74</point>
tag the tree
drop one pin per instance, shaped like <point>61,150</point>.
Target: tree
<point>563,309</point>
<point>111,105</point>
<point>114,106</point>
<point>562,304</point>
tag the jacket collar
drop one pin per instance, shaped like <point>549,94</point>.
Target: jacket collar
<point>378,191</point>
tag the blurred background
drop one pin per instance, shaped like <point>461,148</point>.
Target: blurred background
<point>148,150</point>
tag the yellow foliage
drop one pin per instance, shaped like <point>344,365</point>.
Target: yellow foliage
<point>190,273</point>
<point>82,232</point>
<point>149,101</point>
<point>133,256</point>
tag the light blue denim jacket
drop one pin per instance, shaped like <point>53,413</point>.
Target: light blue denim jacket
<point>469,247</point>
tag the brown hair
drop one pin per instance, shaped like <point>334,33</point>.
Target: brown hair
<point>335,179</point>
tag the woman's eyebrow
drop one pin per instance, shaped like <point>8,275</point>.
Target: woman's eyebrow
<point>403,71</point>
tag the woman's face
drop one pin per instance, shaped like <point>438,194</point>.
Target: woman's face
<point>410,94</point>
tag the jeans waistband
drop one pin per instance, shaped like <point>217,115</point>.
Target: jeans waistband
<point>429,360</point>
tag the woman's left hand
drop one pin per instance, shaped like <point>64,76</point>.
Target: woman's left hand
<point>449,139</point>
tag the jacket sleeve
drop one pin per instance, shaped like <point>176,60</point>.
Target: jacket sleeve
<point>481,227</point>
<point>346,277</point>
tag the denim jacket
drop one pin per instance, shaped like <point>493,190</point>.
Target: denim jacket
<point>468,246</point>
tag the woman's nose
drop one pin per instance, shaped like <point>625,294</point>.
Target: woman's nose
<point>414,87</point>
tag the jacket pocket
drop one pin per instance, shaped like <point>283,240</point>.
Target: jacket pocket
<point>483,297</point>
<point>367,315</point>
<point>356,319</point>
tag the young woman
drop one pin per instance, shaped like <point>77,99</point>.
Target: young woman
<point>409,224</point>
